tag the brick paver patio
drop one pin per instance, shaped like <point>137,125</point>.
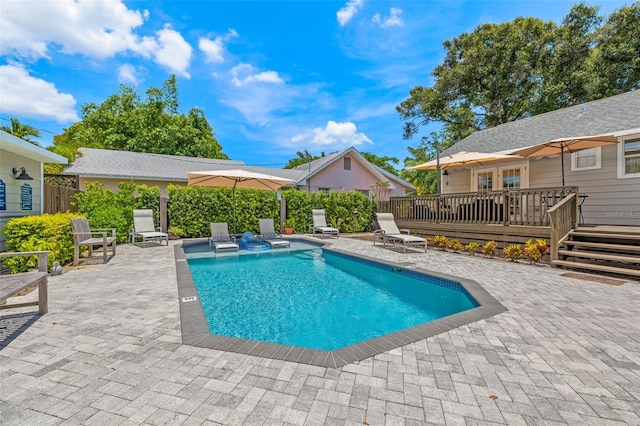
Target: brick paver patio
<point>109,352</point>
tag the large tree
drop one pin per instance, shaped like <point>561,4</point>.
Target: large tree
<point>126,122</point>
<point>23,131</point>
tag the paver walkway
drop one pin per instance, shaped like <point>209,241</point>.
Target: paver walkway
<point>109,352</point>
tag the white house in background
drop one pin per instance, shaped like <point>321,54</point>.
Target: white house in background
<point>608,175</point>
<point>345,170</point>
<point>21,178</point>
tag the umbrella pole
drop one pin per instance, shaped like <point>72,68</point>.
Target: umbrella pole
<point>562,164</point>
<point>234,208</point>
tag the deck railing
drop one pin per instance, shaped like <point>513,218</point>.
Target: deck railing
<point>562,218</point>
<point>509,207</point>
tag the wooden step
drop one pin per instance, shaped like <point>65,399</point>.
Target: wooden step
<point>632,237</point>
<point>601,256</point>
<point>623,230</point>
<point>603,246</point>
<point>596,267</point>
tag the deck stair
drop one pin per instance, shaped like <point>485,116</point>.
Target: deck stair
<point>611,249</point>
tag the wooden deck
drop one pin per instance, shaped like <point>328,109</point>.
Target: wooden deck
<point>480,233</point>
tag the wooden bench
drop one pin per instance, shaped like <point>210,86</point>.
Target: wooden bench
<point>12,284</point>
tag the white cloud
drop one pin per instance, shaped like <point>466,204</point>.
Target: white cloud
<point>173,51</point>
<point>94,28</point>
<point>97,28</point>
<point>127,74</point>
<point>349,10</point>
<point>32,97</point>
<point>393,20</point>
<point>333,135</point>
<point>244,74</point>
<point>214,49</point>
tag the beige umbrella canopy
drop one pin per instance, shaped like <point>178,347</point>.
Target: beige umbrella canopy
<point>237,179</point>
<point>465,158</point>
<point>559,146</point>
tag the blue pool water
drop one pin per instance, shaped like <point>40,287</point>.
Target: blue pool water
<point>315,299</point>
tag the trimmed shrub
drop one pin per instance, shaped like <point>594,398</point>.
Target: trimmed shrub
<point>34,233</point>
<point>535,249</point>
<point>440,241</point>
<point>455,245</point>
<point>472,247</point>
<point>513,252</point>
<point>489,248</point>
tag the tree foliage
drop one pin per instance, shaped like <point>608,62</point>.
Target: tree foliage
<point>384,162</point>
<point>125,121</point>
<point>303,157</point>
<point>22,131</point>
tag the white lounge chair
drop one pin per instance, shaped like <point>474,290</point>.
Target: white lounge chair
<point>269,234</point>
<point>320,224</point>
<point>220,239</point>
<point>144,227</point>
<point>389,232</point>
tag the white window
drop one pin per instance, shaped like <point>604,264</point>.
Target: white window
<point>629,158</point>
<point>485,181</point>
<point>586,159</point>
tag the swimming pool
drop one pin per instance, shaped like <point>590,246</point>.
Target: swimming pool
<point>316,299</point>
<point>237,331</point>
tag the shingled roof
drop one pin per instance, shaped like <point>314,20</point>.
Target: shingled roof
<point>607,115</point>
<point>107,163</point>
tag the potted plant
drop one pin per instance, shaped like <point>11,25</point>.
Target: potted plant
<point>289,225</point>
<point>175,232</point>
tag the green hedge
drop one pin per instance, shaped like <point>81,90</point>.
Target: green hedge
<point>193,208</point>
<point>351,211</point>
<point>35,233</point>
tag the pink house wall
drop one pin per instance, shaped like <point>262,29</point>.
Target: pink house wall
<point>337,178</point>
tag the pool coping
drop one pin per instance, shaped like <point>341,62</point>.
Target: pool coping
<point>193,321</point>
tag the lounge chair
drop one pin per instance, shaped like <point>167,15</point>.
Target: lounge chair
<point>320,224</point>
<point>220,239</point>
<point>269,234</point>
<point>83,235</point>
<point>144,227</point>
<point>389,232</point>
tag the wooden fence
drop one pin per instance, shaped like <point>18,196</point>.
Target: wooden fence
<point>59,199</point>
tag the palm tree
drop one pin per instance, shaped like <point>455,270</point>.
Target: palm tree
<point>23,131</point>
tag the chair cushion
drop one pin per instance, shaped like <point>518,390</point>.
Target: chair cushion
<point>220,238</point>
<point>269,235</point>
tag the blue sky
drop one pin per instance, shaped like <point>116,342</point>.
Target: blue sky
<point>273,77</point>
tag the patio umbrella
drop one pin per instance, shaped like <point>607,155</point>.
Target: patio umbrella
<point>237,179</point>
<point>465,158</point>
<point>559,146</point>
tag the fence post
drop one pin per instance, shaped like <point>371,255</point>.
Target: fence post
<point>163,220</point>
